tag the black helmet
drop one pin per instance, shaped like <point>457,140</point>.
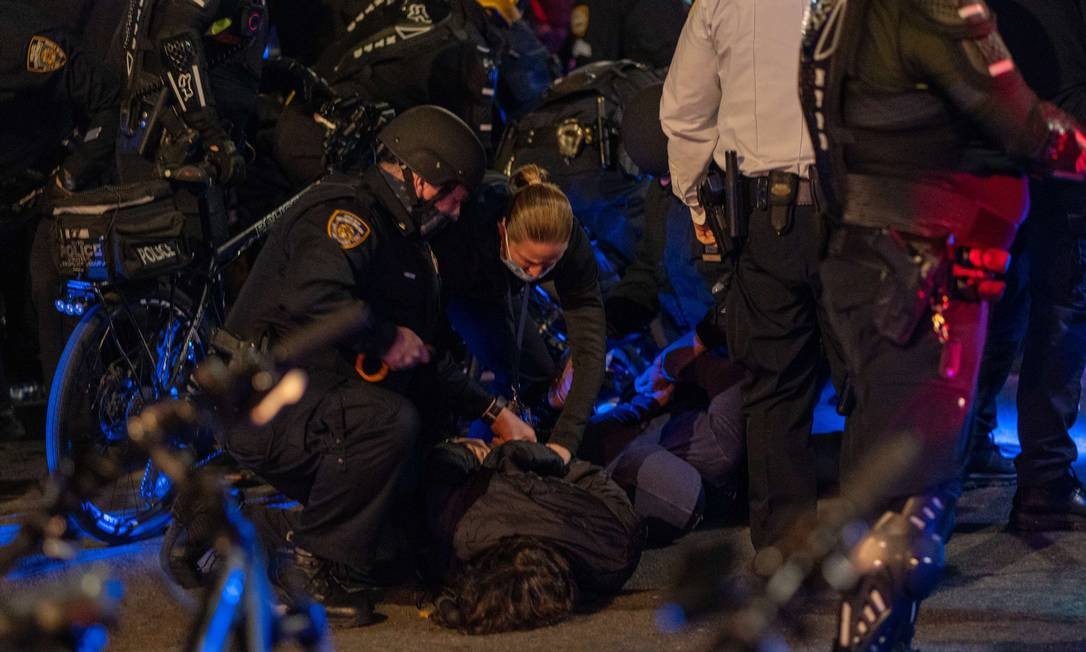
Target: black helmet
<point>436,145</point>
<point>642,135</point>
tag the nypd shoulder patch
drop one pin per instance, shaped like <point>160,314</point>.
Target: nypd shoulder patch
<point>44,55</point>
<point>347,229</point>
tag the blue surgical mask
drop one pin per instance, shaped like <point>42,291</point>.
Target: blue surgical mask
<point>516,270</point>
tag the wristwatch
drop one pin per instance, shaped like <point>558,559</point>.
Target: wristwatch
<point>490,414</point>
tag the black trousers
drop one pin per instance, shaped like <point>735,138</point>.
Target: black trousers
<point>45,288</point>
<point>900,389</point>
<point>777,330</point>
<point>1044,309</point>
<point>343,452</point>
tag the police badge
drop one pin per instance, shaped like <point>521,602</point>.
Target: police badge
<point>571,138</point>
<point>44,55</point>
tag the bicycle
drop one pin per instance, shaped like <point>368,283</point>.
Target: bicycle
<point>238,610</point>
<point>138,340</point>
<point>146,322</point>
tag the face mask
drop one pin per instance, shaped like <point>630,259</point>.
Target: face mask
<point>429,219</point>
<point>516,269</point>
<point>426,217</point>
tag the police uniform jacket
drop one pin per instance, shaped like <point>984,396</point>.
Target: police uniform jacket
<point>44,77</point>
<point>361,249</point>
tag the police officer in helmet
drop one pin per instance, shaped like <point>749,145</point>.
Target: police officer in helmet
<point>345,449</point>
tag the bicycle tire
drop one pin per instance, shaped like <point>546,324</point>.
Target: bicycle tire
<point>106,374</point>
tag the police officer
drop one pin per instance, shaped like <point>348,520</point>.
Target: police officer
<point>191,72</point>
<point>1043,307</point>
<point>668,269</point>
<point>712,103</point>
<point>344,449</point>
<point>921,120</point>
<point>411,52</point>
<point>516,234</point>
<point>48,84</point>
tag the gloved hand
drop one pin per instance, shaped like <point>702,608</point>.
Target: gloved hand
<point>224,157</point>
<point>530,457</point>
<point>218,148</point>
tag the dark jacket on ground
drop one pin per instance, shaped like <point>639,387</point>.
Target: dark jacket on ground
<point>522,489</point>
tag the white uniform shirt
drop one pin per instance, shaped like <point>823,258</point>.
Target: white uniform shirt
<point>733,85</point>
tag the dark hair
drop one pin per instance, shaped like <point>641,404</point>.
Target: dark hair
<point>518,583</point>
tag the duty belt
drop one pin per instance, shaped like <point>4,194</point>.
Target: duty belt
<point>761,189</point>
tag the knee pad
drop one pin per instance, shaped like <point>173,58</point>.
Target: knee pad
<point>899,563</point>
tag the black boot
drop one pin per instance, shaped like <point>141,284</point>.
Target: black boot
<point>1059,505</point>
<point>301,576</point>
<point>986,462</point>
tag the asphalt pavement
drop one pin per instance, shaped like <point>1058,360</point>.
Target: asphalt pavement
<point>1002,591</point>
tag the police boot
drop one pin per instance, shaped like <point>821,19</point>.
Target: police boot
<point>302,577</point>
<point>1059,505</point>
<point>898,563</point>
<point>986,461</point>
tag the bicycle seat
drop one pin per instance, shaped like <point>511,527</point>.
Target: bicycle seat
<point>110,198</point>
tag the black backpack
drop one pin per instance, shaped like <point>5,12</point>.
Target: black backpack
<point>574,133</point>
<point>574,130</point>
<point>412,52</point>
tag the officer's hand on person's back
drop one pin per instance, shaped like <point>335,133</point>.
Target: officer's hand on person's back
<point>509,427</point>
<point>407,350</point>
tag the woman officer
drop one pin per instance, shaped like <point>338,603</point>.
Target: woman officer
<point>514,234</point>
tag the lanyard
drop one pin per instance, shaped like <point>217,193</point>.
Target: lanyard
<point>522,409</point>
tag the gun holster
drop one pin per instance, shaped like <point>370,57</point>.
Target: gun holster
<point>725,218</point>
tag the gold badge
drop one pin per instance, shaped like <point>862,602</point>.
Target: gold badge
<point>571,137</point>
<point>347,229</point>
<point>578,21</point>
<point>44,55</point>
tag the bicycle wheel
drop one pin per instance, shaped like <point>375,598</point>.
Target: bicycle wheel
<point>122,356</point>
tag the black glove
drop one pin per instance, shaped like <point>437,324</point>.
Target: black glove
<point>218,148</point>
<point>526,456</point>
<point>224,157</point>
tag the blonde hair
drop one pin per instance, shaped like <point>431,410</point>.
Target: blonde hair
<point>540,211</point>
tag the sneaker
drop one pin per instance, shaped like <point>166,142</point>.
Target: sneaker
<point>1059,505</point>
<point>301,577</point>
